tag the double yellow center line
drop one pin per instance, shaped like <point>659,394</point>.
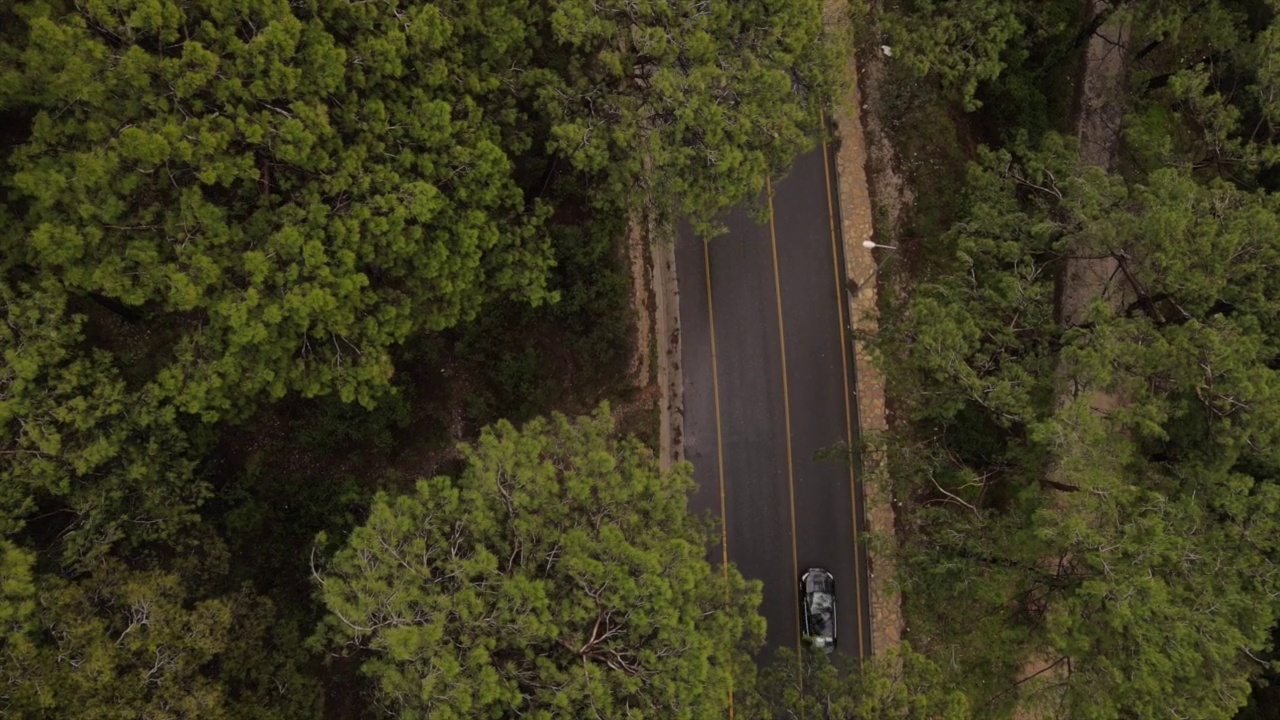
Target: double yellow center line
<point>786,400</point>
<point>786,414</point>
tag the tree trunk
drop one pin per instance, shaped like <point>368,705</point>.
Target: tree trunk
<point>1096,22</point>
<point>1155,42</point>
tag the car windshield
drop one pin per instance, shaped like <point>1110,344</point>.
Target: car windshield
<point>821,612</point>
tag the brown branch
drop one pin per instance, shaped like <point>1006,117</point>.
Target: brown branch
<point>1033,675</point>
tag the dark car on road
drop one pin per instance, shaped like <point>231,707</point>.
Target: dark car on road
<point>818,608</point>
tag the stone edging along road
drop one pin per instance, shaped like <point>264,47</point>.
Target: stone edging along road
<point>860,276</point>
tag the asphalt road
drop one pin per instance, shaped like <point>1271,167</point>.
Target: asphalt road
<point>768,382</point>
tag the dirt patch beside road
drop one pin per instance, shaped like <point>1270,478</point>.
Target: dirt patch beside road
<point>638,370</point>
<point>666,293</point>
<point>654,368</point>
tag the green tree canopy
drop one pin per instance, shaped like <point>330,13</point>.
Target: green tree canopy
<point>288,191</point>
<point>73,436</point>
<point>1105,493</point>
<point>122,643</point>
<point>714,97</point>
<point>17,591</point>
<point>899,684</point>
<point>560,575</point>
<point>960,43</point>
<point>207,205</point>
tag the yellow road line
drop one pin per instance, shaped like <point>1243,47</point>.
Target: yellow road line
<point>848,415</point>
<point>715,392</point>
<point>786,407</point>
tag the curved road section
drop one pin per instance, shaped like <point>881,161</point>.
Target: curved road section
<point>768,382</point>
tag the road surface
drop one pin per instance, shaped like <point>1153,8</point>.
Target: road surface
<point>768,382</point>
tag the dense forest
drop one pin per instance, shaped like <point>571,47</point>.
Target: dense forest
<point>1082,349</point>
<point>299,298</point>
<point>264,265</point>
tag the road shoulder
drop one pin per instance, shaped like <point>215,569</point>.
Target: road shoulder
<point>860,275</point>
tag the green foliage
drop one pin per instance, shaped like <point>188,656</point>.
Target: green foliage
<point>1034,92</point>
<point>1129,539</point>
<point>961,43</point>
<point>899,684</point>
<point>212,207</point>
<point>981,329</point>
<point>694,104</point>
<point>127,644</point>
<point>1095,492</point>
<point>70,430</point>
<point>309,186</point>
<point>1205,86</point>
<point>517,362</point>
<point>559,573</point>
<point>1165,593</point>
<point>16,592</point>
